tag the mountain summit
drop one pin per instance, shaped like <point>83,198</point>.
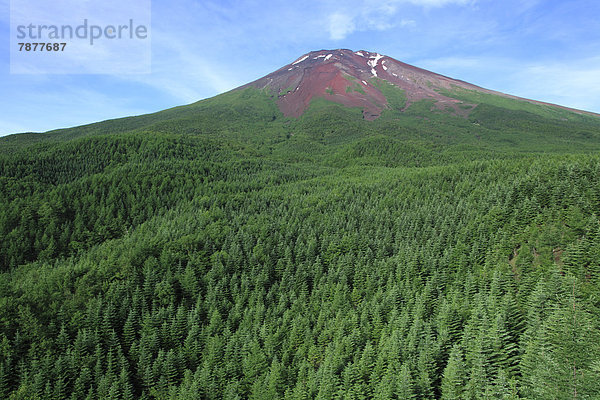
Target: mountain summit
<point>358,79</point>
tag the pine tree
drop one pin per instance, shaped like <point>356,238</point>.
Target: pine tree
<point>386,387</point>
<point>5,388</point>
<point>130,328</point>
<point>569,346</point>
<point>504,388</point>
<point>453,381</point>
<point>275,381</point>
<point>478,379</point>
<point>82,384</point>
<point>125,384</point>
<point>405,387</point>
<point>328,383</point>
<point>169,368</point>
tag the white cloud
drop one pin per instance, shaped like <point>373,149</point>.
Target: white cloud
<point>340,26</point>
<point>377,15</point>
<point>9,127</point>
<point>574,84</point>
<point>440,3</point>
<point>186,74</point>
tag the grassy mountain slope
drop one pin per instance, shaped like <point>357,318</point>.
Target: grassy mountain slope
<point>251,116</point>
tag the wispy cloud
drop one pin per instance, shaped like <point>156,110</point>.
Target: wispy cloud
<point>186,74</point>
<point>440,3</point>
<point>341,25</point>
<point>378,15</point>
<point>99,36</point>
<point>575,83</point>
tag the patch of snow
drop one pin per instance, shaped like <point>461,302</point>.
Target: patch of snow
<point>328,57</point>
<point>373,63</point>
<point>365,83</point>
<point>319,57</point>
<point>289,69</point>
<point>300,60</point>
<point>384,67</point>
<point>358,53</point>
<point>396,75</point>
<point>373,72</point>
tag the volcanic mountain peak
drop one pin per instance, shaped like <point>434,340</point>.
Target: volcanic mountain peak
<point>354,79</point>
<point>358,79</point>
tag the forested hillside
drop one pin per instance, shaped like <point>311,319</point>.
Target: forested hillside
<point>222,251</point>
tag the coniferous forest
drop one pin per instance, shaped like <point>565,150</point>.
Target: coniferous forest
<point>223,251</point>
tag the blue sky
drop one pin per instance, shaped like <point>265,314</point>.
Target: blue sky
<point>544,50</point>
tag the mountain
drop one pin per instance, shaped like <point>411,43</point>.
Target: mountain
<point>329,231</point>
<point>343,95</point>
<point>354,79</point>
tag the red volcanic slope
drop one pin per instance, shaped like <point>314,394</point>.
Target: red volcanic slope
<point>347,77</point>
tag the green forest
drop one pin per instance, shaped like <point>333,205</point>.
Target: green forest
<point>223,251</point>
